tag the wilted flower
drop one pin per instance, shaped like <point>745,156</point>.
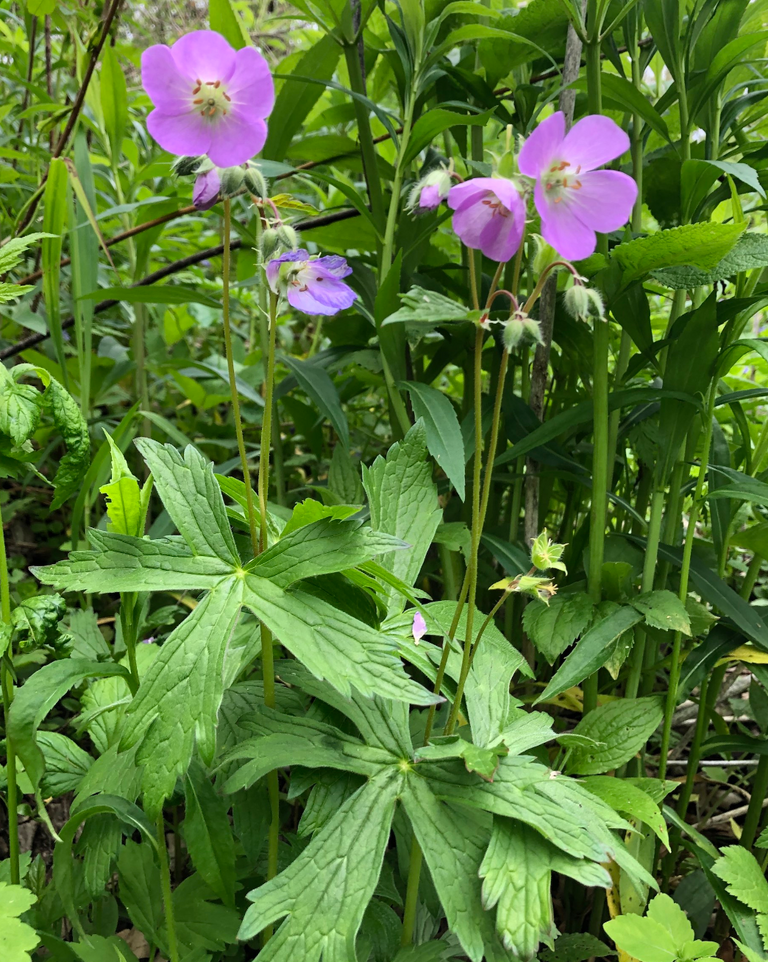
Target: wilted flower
<point>573,198</point>
<point>206,191</point>
<point>419,627</point>
<point>209,98</point>
<point>489,216</point>
<point>312,284</point>
<point>431,190</point>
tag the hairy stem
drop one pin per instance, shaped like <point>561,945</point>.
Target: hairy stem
<point>165,883</point>
<point>6,680</point>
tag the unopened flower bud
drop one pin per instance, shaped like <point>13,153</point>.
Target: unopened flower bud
<point>206,190</point>
<point>532,330</point>
<point>431,190</point>
<point>544,255</point>
<point>269,243</point>
<point>186,166</point>
<point>255,183</point>
<point>513,334</point>
<point>583,302</point>
<point>231,180</point>
<point>288,237</point>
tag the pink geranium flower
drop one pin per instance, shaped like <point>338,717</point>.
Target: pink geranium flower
<point>209,98</point>
<point>573,198</point>
<point>489,216</point>
<point>419,627</point>
<point>313,285</point>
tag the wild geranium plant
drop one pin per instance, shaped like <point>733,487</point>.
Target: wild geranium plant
<point>381,572</point>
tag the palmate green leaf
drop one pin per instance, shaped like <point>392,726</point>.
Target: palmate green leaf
<point>38,696</point>
<point>517,870</point>
<point>744,879</point>
<point>139,887</point>
<point>626,797</point>
<point>403,503</point>
<point>70,422</point>
<point>700,245</point>
<point>443,431</point>
<point>178,699</point>
<point>332,644</point>
<point>429,307</point>
<point>576,947</point>
<point>99,844</point>
<point>344,857</point>
<point>192,497</point>
<point>65,763</point>
<point>17,939</point>
<point>208,834</point>
<point>642,938</point>
<point>553,627</point>
<point>324,547</point>
<point>20,407</point>
<point>285,740</point>
<point>622,728</point>
<point>202,924</point>
<point>119,562</point>
<point>317,384</point>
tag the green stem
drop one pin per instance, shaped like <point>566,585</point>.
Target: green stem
<point>367,146</point>
<point>252,524</point>
<point>6,680</point>
<point>165,883</point>
<point>649,568</point>
<point>397,185</point>
<point>685,570</point>
<point>130,635</point>
<point>412,893</point>
<point>759,791</point>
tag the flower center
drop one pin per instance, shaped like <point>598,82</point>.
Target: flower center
<point>496,206</point>
<point>211,98</point>
<point>560,177</point>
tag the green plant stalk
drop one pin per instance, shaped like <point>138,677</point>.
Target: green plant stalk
<point>708,692</point>
<point>601,429</point>
<point>412,893</point>
<point>649,568</point>
<point>759,792</point>
<point>165,883</point>
<point>685,570</point>
<point>397,186</point>
<point>267,648</point>
<point>367,146</point>
<point>6,681</point>
<point>226,270</point>
<point>130,635</point>
<point>751,576</point>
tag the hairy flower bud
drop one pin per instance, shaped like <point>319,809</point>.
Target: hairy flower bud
<point>255,183</point>
<point>583,302</point>
<point>513,334</point>
<point>431,190</point>
<point>268,243</point>
<point>186,166</point>
<point>231,180</point>
<point>288,237</point>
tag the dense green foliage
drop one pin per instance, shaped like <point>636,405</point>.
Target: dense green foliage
<point>477,666</point>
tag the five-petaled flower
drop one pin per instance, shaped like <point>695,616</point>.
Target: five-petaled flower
<point>573,198</point>
<point>313,285</point>
<point>489,216</point>
<point>209,98</point>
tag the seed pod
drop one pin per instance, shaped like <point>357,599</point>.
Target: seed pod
<point>288,237</point>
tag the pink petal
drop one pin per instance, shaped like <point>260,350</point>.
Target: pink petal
<point>206,190</point>
<point>419,627</point>
<point>461,195</point>
<point>508,194</point>
<point>561,228</point>
<point>594,141</point>
<point>501,237</point>
<point>235,139</point>
<point>251,85</point>
<point>204,55</point>
<point>181,133</point>
<point>605,200</point>
<point>323,293</point>
<point>167,88</point>
<point>470,220</point>
<point>543,145</point>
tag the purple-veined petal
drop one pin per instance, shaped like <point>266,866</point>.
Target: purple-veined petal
<point>206,190</point>
<point>470,221</point>
<point>335,264</point>
<point>543,146</point>
<point>320,293</point>
<point>460,195</point>
<point>508,194</point>
<point>204,55</point>
<point>181,133</point>
<point>236,139</point>
<point>167,88</point>
<point>501,237</point>
<point>605,200</point>
<point>419,627</point>
<point>251,86</point>
<point>593,141</point>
